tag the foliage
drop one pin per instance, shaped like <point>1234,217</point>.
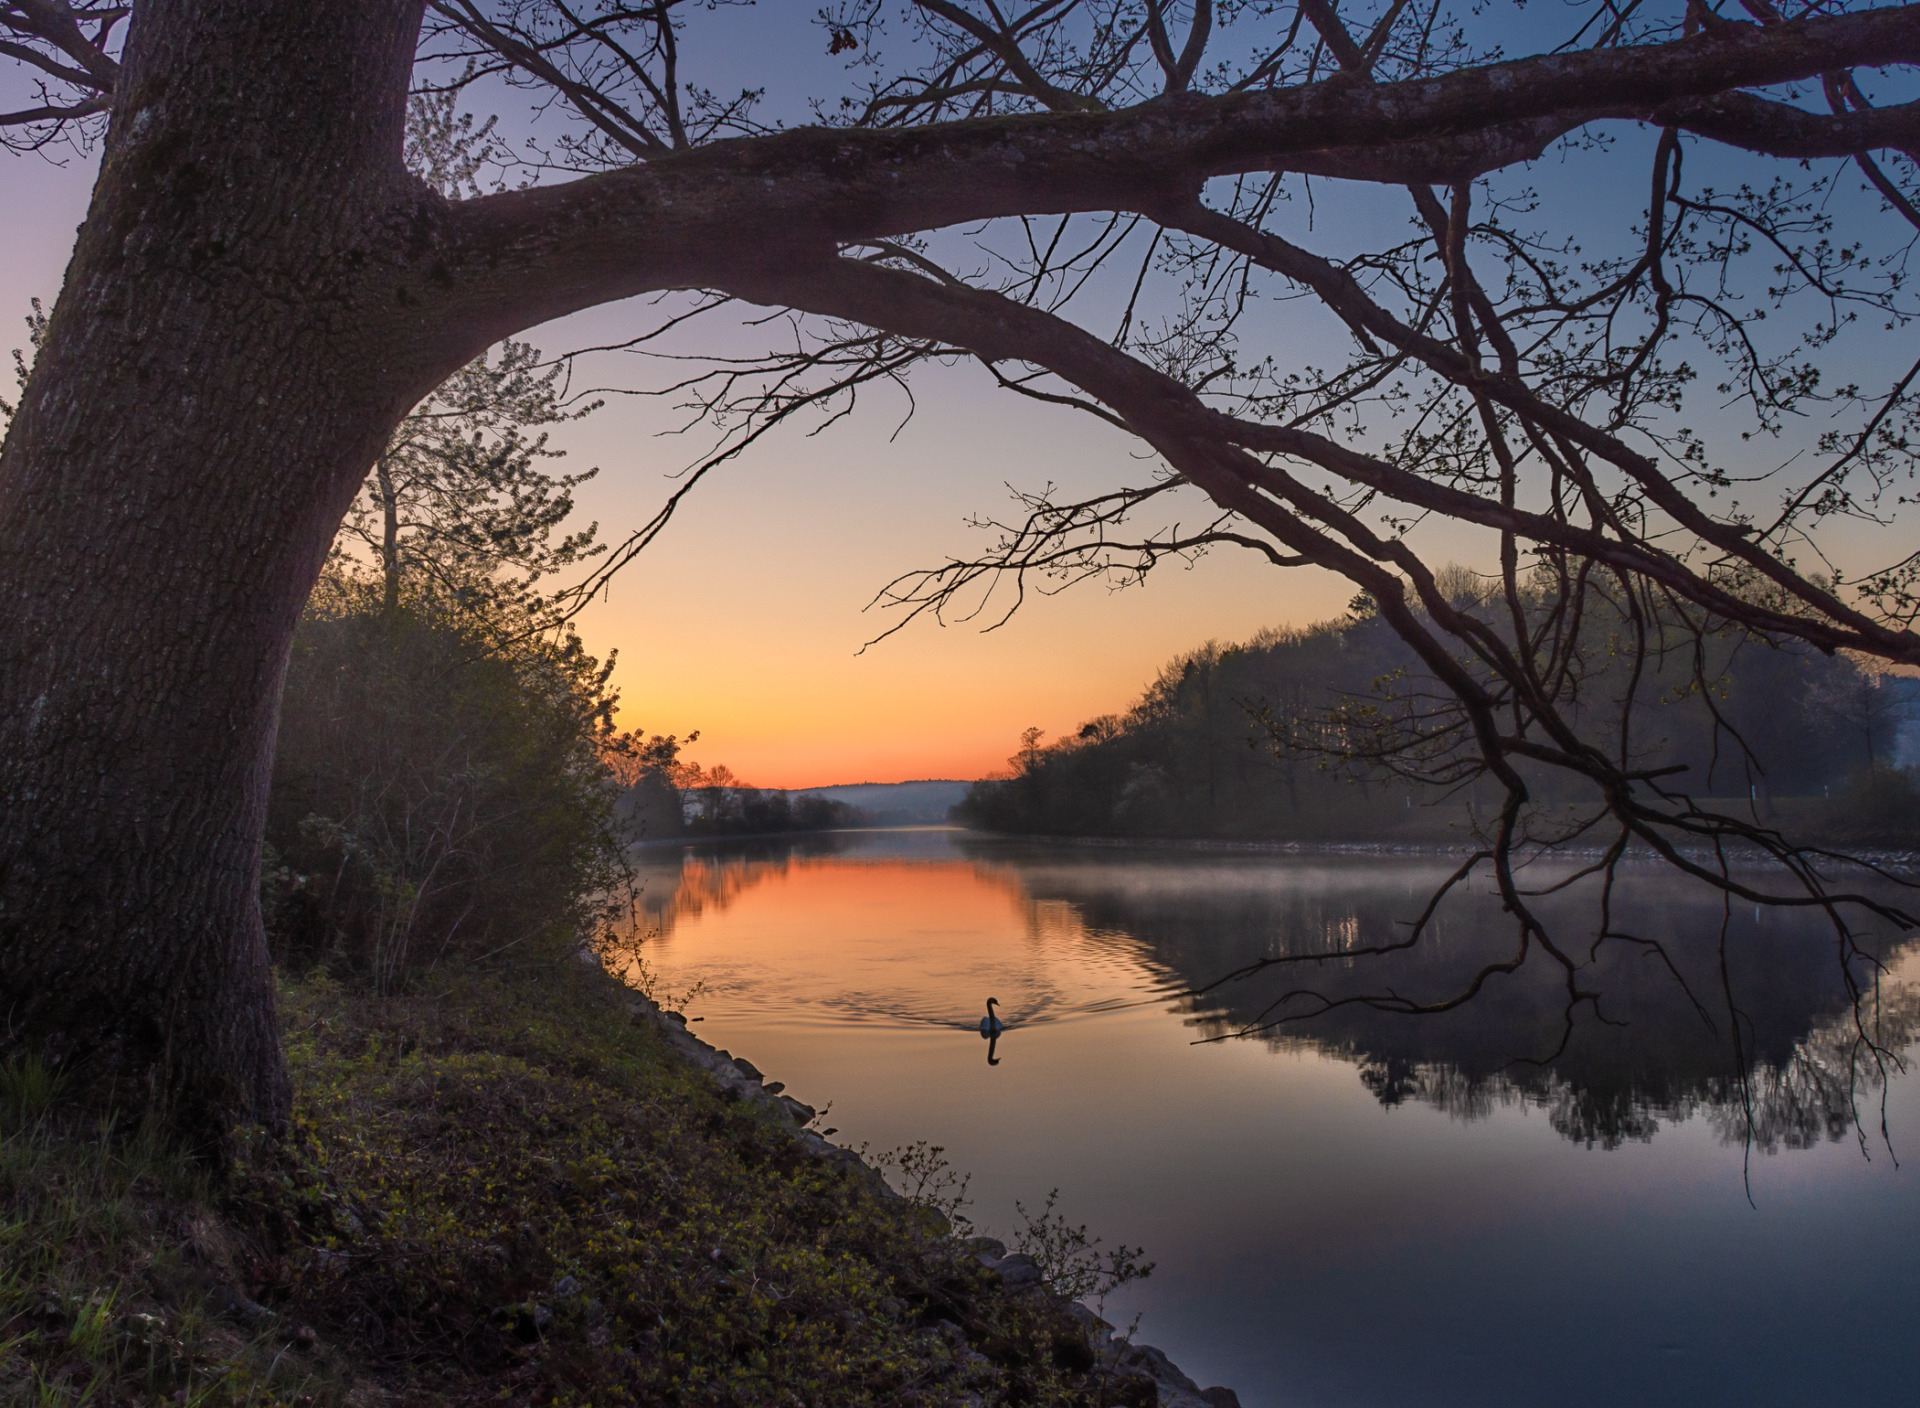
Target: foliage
<point>667,797</point>
<point>505,1190</point>
<point>23,358</point>
<point>457,506</point>
<point>1338,733</point>
<point>921,1173</point>
<point>115,1267</point>
<point>1070,1259</point>
<point>442,789</point>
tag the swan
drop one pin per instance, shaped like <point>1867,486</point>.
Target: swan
<point>990,1025</point>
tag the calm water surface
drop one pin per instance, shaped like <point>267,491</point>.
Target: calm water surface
<point>1363,1208</point>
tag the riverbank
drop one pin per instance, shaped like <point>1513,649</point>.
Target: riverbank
<point>521,1186</point>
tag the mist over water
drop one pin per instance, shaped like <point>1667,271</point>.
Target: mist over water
<point>1675,1189</point>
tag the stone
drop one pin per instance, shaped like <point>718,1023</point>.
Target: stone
<point>774,1087</point>
<point>849,1163</point>
<point>1097,1329</point>
<point>1217,1397</point>
<point>803,1113</point>
<point>1018,1271</point>
<point>747,1068</point>
<point>991,1247</point>
<point>1155,1364</point>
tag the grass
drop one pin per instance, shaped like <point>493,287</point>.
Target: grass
<point>500,1190</point>
<point>113,1256</point>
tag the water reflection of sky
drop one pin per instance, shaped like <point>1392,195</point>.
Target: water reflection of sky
<point>1368,1210</point>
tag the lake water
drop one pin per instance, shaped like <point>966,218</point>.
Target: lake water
<point>1534,1200</point>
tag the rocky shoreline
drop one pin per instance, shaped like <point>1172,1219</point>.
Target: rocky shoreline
<point>741,1079</point>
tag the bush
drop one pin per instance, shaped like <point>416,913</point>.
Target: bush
<point>1876,807</point>
<point>441,789</point>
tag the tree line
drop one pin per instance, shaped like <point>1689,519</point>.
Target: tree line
<point>1337,732</point>
<point>668,798</point>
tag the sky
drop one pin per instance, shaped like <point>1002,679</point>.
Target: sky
<point>745,620</point>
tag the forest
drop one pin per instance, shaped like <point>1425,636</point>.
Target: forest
<point>1336,733</point>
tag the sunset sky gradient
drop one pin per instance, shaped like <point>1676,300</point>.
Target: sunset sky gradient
<point>745,620</point>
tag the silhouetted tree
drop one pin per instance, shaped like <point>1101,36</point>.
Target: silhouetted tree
<point>261,292</point>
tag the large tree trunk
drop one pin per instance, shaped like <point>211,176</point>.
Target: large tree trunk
<point>227,356</point>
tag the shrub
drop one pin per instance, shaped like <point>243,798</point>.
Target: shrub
<point>441,788</point>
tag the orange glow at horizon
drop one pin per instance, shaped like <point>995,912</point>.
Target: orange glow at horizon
<point>745,619</point>
<point>820,898</point>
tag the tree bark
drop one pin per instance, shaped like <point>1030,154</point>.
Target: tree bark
<point>224,362</point>
<point>260,292</point>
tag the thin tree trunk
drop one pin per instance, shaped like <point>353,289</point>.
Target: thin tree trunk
<point>389,536</point>
<point>219,372</point>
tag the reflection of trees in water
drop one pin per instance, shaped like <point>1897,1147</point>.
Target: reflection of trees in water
<point>683,882</point>
<point>1815,1094</point>
<point>1765,1045</point>
<point>1817,1091</point>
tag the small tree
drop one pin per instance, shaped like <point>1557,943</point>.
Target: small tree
<point>458,502</point>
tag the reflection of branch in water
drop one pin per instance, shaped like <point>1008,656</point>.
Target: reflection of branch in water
<point>1812,1096</point>
<point>1816,1093</point>
<point>1689,1007</point>
<point>1617,1114</point>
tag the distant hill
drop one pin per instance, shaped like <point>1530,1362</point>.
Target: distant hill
<point>896,803</point>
